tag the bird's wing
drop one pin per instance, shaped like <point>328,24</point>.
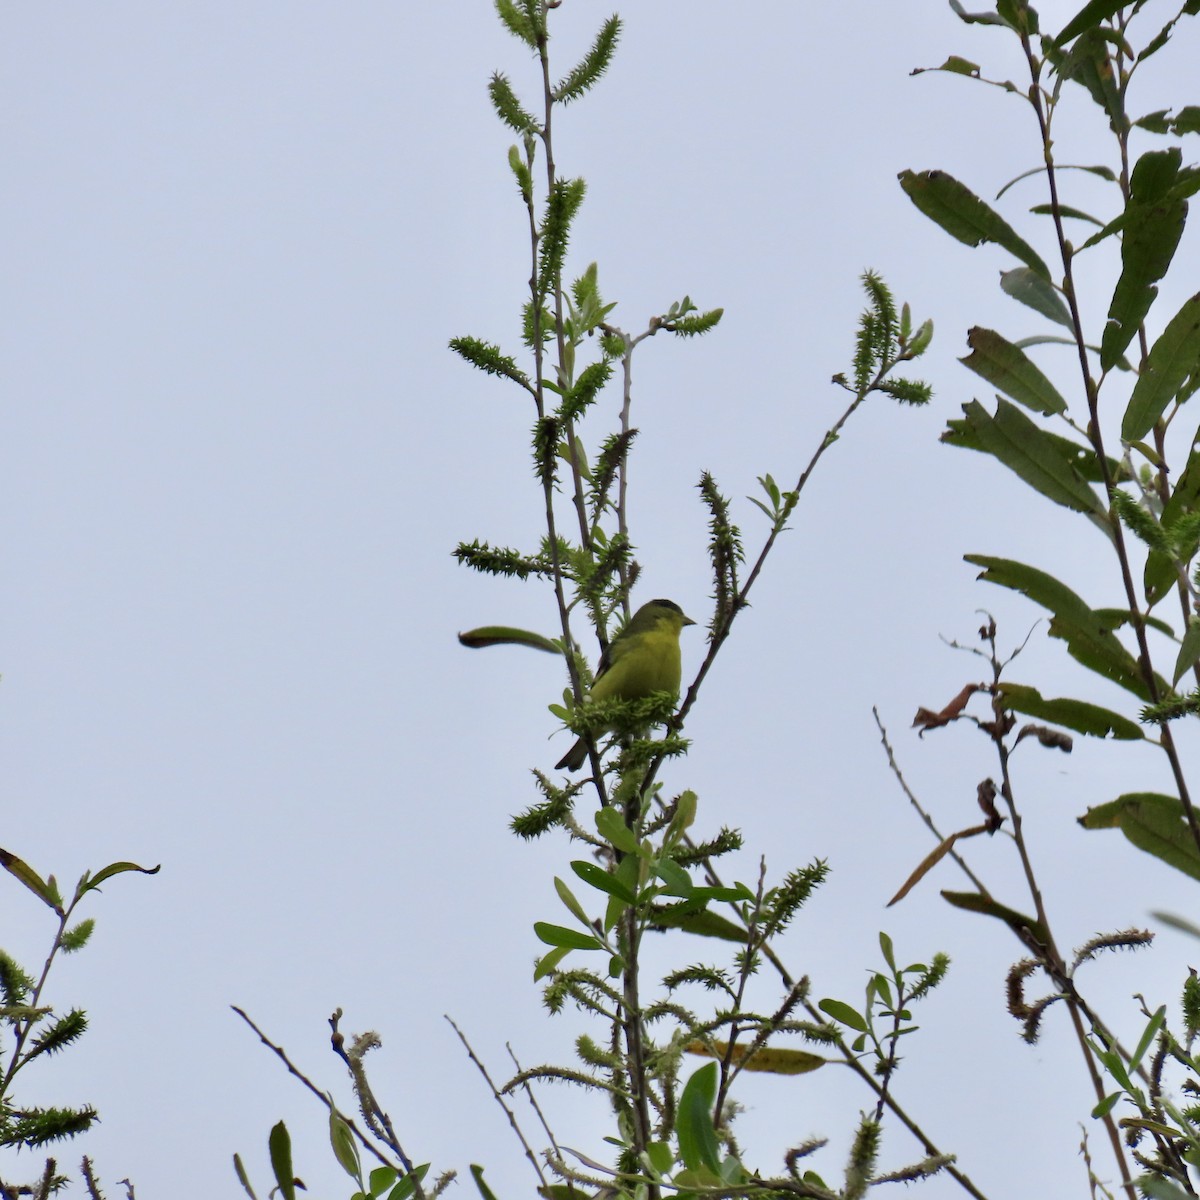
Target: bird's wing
<point>613,653</point>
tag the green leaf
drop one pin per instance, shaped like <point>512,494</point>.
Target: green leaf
<point>1173,359</point>
<point>844,1014</point>
<point>1089,639</point>
<point>602,880</point>
<point>90,882</point>
<point>1158,1188</point>
<point>1009,368</point>
<point>959,66</point>
<point>660,1156</point>
<point>1154,823</point>
<point>964,216</point>
<point>1088,17</point>
<point>1081,458</point>
<point>568,939</point>
<point>243,1178</point>
<point>280,1145</point>
<point>683,818</point>
<point>612,828</point>
<point>1153,224</point>
<point>726,895</point>
<point>30,878</point>
<point>1189,650</point>
<point>700,922</point>
<point>1148,1035</point>
<point>408,1182</point>
<point>1016,921</point>
<point>477,1174</point>
<point>342,1141</point>
<point>1037,293</point>
<point>1041,459</point>
<point>1065,210</point>
<point>1078,715</point>
<point>678,881</point>
<point>506,635</point>
<point>381,1179</point>
<point>1160,575</point>
<point>698,1145</point>
<point>573,905</point>
<point>976,18</point>
<point>546,965</point>
<point>887,950</point>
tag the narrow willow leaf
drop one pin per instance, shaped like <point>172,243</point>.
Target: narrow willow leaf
<point>1082,459</point>
<point>30,878</point>
<point>611,826</point>
<point>1160,575</point>
<point>1148,1035</point>
<point>1088,17</point>
<point>958,66</point>
<point>1037,293</point>
<point>602,880</point>
<point>936,855</point>
<point>1078,715</point>
<point>243,1179</point>
<point>702,923</point>
<point>1029,451</point>
<point>1089,638</point>
<point>573,906</point>
<point>1065,210</point>
<point>1189,650</point>
<point>1154,823</point>
<point>506,635</point>
<point>773,1060</point>
<point>381,1179</point>
<point>976,18</point>
<point>1009,368</point>
<point>1016,921</point>
<point>88,882</point>
<point>678,882</point>
<point>844,1014</point>
<point>1173,359</point>
<point>342,1142</point>
<point>546,965</point>
<point>964,216</point>
<point>477,1174</point>
<point>563,938</point>
<point>280,1145</point>
<point>698,1145</point>
<point>1154,220</point>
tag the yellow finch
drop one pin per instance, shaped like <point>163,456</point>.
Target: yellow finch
<point>642,659</point>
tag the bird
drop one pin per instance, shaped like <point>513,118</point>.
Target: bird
<point>642,659</point>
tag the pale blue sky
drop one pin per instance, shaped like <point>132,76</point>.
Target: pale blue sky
<point>237,455</point>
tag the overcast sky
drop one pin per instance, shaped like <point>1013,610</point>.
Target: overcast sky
<point>237,455</point>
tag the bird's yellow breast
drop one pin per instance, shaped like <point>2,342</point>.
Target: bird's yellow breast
<point>642,663</point>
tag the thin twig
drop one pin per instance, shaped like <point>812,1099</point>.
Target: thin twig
<point>366,1142</point>
<point>912,799</point>
<point>508,1112</point>
<point>532,1098</point>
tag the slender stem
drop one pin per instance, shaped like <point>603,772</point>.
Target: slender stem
<point>364,1141</point>
<point>508,1112</point>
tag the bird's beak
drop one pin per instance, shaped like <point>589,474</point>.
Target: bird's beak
<point>688,621</point>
